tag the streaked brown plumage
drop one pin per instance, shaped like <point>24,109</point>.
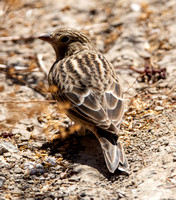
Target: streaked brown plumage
<point>88,82</point>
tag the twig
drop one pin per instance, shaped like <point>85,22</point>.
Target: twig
<point>37,89</point>
<point>18,37</point>
<point>133,83</point>
<point>136,70</point>
<point>101,26</point>
<point>30,101</point>
<point>41,64</point>
<point>172,186</point>
<point>171,90</point>
<point>17,68</point>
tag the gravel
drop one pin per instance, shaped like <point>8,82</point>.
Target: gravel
<point>34,163</point>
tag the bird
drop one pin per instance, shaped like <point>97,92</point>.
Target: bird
<point>86,80</point>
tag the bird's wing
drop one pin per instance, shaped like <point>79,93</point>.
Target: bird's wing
<point>90,103</point>
<point>114,103</point>
<point>86,108</point>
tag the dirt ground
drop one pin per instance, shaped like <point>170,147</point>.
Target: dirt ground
<point>41,158</point>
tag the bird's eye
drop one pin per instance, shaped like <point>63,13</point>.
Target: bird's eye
<point>65,39</point>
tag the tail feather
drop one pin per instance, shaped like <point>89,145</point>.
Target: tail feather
<point>113,153</point>
<point>123,164</point>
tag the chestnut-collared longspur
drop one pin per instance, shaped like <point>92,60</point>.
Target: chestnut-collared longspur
<point>87,80</point>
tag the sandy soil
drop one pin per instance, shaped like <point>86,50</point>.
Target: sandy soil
<point>40,157</point>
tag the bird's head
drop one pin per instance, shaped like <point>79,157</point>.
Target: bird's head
<point>67,41</point>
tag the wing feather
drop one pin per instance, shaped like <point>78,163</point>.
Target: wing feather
<point>114,103</point>
<point>89,102</point>
<point>88,109</point>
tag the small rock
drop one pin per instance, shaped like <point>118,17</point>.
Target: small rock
<point>21,128</point>
<point>174,155</point>
<point>83,194</point>
<point>7,154</point>
<point>30,181</point>
<point>74,179</point>
<point>86,173</point>
<point>16,156</point>
<point>58,155</point>
<point>58,182</point>
<point>29,165</point>
<point>162,84</point>
<point>159,108</point>
<point>40,171</point>
<point>33,171</point>
<point>3,163</point>
<point>153,91</point>
<point>51,160</point>
<point>18,170</point>
<point>2,179</point>
<point>63,189</point>
<point>72,188</point>
<point>30,128</point>
<point>135,7</point>
<point>39,166</point>
<point>17,191</point>
<point>63,175</point>
<point>7,147</point>
<point>22,144</point>
<point>45,175</point>
<point>58,168</point>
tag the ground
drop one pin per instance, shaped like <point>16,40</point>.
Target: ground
<point>41,156</point>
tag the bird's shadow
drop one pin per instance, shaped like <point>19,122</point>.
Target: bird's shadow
<point>84,150</point>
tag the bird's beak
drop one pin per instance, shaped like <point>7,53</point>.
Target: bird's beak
<point>46,37</point>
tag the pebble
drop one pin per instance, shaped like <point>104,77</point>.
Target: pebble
<point>174,155</point>
<point>74,179</point>
<point>35,171</point>
<point>3,162</point>
<point>22,144</point>
<point>7,147</point>
<point>58,182</point>
<point>162,84</point>
<point>45,175</point>
<point>2,180</point>
<point>7,154</point>
<point>135,7</point>
<point>18,170</point>
<point>17,191</point>
<point>16,156</point>
<point>153,91</point>
<point>58,155</point>
<point>131,36</point>
<point>51,160</point>
<point>72,188</point>
<point>159,108</point>
<point>29,165</point>
<point>30,181</point>
<point>63,175</point>
<point>86,174</point>
<point>39,166</point>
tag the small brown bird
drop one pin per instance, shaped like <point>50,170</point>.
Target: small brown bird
<point>88,81</point>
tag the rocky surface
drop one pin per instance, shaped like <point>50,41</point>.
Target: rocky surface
<point>40,155</point>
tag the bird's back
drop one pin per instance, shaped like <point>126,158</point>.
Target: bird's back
<point>88,81</point>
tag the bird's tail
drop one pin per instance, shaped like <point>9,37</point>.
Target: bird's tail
<point>113,151</point>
